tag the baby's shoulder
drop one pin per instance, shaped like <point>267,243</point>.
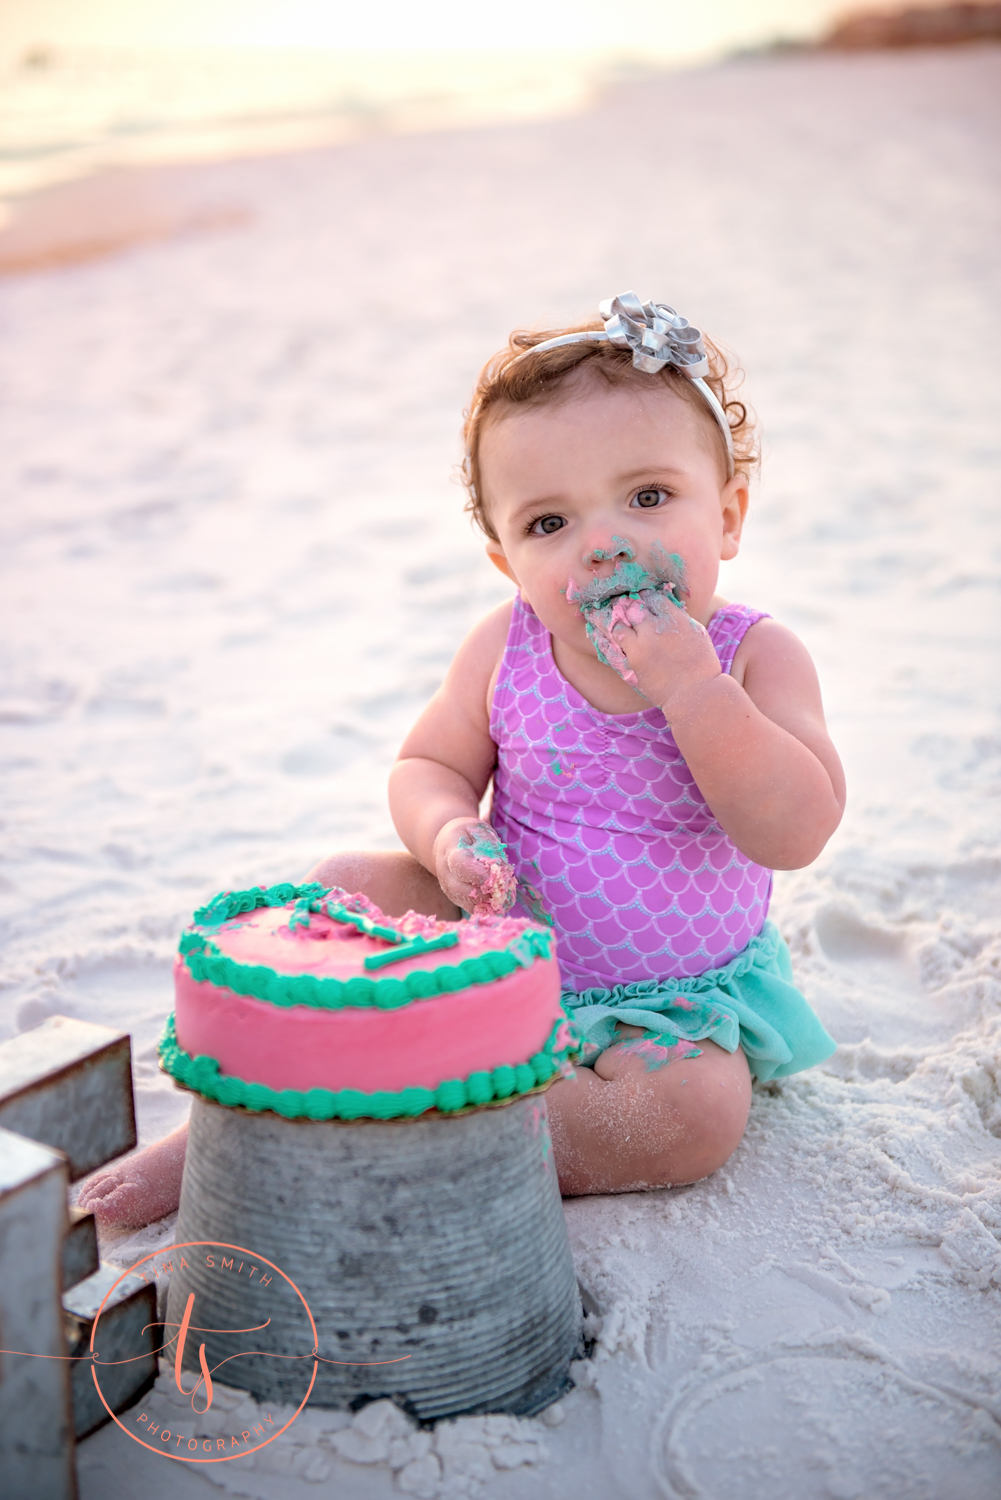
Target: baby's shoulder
<point>499,618</point>
<point>476,665</point>
<point>495,627</point>
<point>772,663</point>
<point>488,636</point>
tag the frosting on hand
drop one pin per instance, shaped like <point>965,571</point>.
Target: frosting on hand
<point>482,882</point>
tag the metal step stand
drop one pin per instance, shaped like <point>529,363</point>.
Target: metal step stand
<point>66,1108</point>
<point>432,1253</point>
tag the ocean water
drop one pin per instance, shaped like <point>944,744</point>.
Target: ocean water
<point>67,112</point>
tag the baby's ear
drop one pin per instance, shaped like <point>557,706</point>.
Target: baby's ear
<point>734,500</point>
<point>495,552</point>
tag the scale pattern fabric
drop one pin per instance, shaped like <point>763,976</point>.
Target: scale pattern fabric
<point>601,814</point>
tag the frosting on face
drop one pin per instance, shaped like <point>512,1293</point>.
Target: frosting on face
<point>627,596</point>
<point>666,574</point>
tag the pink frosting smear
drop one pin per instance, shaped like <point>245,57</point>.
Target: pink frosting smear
<point>497,892</point>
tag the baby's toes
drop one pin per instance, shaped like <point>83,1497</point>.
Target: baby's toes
<point>99,1189</point>
<point>118,1200</point>
<point>126,1207</point>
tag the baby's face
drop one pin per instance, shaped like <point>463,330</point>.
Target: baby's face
<point>571,489</point>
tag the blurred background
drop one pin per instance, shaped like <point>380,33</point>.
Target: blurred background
<point>88,83</point>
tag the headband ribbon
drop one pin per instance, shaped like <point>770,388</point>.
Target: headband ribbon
<point>658,336</point>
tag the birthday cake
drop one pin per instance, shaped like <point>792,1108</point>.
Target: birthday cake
<point>311,1003</point>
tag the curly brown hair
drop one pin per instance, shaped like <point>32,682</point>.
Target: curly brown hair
<point>543,381</point>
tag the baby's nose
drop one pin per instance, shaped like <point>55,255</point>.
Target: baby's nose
<point>617,549</point>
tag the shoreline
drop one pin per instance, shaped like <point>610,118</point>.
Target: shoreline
<point>113,206</point>
<point>110,212</point>
<point>319,107</point>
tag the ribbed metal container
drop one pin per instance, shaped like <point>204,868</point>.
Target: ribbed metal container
<point>438,1243</point>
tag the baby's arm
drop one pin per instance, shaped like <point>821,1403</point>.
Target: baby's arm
<point>443,770</point>
<point>755,741</point>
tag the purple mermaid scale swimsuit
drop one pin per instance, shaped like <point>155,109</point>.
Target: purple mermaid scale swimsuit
<point>602,815</point>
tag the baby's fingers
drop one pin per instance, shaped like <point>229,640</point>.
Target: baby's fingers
<point>484,887</point>
<point>495,893</point>
<point>473,871</point>
<point>460,876</point>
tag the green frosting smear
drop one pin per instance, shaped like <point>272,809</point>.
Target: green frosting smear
<point>207,964</point>
<point>202,1076</point>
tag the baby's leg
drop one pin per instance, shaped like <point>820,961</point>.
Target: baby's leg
<point>394,880</point>
<point>648,1116</point>
<point>147,1185</point>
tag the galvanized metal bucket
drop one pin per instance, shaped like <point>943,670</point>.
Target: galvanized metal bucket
<point>432,1254</point>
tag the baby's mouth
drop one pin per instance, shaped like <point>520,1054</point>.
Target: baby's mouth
<point>626,597</point>
<point>666,574</point>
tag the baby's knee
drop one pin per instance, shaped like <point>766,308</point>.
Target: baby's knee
<point>716,1109</point>
<point>717,1138</point>
<point>711,1100</point>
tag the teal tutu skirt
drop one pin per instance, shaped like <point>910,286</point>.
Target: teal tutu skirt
<point>751,1003</point>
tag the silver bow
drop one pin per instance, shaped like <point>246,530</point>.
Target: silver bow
<point>656,334</point>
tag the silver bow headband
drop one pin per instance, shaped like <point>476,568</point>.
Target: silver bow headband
<point>658,336</point>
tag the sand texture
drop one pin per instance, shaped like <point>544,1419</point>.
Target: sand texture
<point>234,567</point>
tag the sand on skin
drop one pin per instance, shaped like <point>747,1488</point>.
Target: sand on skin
<point>219,446</point>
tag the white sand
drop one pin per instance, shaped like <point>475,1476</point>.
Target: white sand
<point>235,567</point>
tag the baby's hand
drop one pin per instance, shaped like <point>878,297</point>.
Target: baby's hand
<point>601,622</point>
<point>665,653</point>
<point>471,868</point>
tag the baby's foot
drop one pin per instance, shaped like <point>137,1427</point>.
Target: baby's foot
<point>139,1189</point>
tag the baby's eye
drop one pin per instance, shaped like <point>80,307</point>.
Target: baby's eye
<point>649,499</point>
<point>546,525</point>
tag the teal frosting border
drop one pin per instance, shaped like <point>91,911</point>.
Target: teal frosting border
<point>235,903</point>
<point>206,964</point>
<point>203,1076</point>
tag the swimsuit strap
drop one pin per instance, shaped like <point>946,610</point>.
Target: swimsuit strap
<point>728,627</point>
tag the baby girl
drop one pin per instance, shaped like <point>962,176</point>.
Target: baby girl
<point>655,751</point>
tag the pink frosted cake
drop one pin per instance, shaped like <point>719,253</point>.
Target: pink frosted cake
<point>311,1003</point>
